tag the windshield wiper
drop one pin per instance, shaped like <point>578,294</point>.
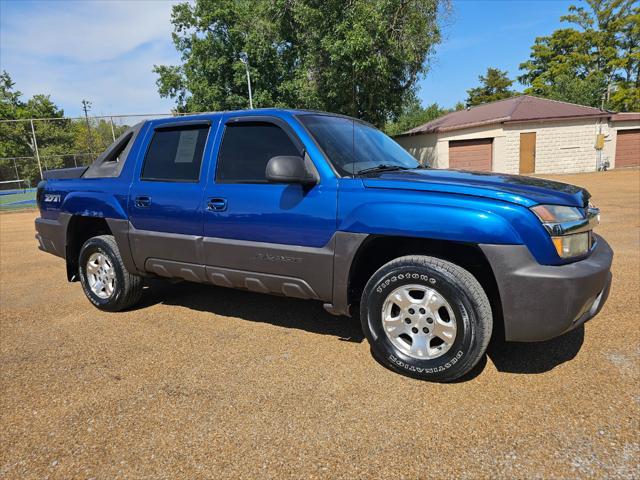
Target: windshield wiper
<point>381,168</point>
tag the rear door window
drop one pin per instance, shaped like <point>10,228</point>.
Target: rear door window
<point>175,154</point>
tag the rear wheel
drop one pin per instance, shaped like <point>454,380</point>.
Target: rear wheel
<point>426,318</point>
<point>105,280</point>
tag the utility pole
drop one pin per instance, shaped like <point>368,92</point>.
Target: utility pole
<point>244,58</point>
<point>86,106</point>
<point>113,133</point>
<point>35,148</point>
<point>606,95</point>
<point>15,167</point>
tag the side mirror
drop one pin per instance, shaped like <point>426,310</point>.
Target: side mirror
<point>289,169</point>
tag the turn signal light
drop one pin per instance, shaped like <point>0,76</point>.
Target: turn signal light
<point>572,245</point>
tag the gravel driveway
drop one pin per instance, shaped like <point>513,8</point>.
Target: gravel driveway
<point>204,382</point>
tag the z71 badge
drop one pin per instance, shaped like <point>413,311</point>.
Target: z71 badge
<point>51,198</point>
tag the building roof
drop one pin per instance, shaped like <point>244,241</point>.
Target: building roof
<point>625,116</point>
<point>522,108</point>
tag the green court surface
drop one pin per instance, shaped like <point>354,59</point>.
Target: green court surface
<point>20,200</point>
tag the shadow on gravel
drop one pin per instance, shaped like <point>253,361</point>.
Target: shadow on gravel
<point>254,307</point>
<point>540,357</point>
<point>536,357</point>
<point>310,316</point>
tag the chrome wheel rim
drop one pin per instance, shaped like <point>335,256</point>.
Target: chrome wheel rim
<point>101,275</point>
<point>419,321</point>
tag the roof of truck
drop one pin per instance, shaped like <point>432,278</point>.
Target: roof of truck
<point>255,111</point>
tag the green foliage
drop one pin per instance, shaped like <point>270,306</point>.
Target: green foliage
<point>598,59</point>
<point>93,139</point>
<point>10,108</point>
<point>495,85</point>
<point>16,138</point>
<point>361,58</point>
<point>583,91</point>
<point>57,138</point>
<point>413,115</point>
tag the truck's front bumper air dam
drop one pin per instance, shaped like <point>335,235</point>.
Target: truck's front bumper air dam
<point>540,302</point>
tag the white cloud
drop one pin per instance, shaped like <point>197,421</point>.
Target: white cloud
<point>113,86</point>
<point>86,31</point>
<point>103,51</point>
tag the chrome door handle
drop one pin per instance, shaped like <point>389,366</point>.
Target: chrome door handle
<point>217,204</point>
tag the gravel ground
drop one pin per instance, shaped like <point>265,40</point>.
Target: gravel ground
<point>207,382</point>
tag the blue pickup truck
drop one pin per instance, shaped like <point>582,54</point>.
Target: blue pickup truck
<point>326,207</point>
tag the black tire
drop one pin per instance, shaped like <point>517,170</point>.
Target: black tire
<point>458,287</point>
<point>127,287</point>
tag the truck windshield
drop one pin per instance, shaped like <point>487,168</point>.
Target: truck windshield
<point>354,147</point>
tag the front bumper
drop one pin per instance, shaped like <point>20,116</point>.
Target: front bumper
<point>540,302</point>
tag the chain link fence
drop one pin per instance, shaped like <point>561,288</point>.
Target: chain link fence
<point>29,147</point>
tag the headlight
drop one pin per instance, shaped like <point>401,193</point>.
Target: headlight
<point>572,245</point>
<point>557,213</point>
<point>569,227</point>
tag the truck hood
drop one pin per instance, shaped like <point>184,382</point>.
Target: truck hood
<point>525,191</point>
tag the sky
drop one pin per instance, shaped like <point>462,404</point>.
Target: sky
<point>486,33</point>
<point>104,51</point>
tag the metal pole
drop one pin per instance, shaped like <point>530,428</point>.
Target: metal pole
<point>113,133</point>
<point>35,146</point>
<point>244,58</point>
<point>249,85</point>
<point>15,167</point>
<point>86,106</point>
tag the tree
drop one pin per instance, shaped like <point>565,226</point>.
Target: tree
<point>361,58</point>
<point>59,139</point>
<point>10,108</point>
<point>600,59</point>
<point>99,130</point>
<point>413,115</point>
<point>583,91</point>
<point>495,85</point>
<point>54,137</point>
<point>16,140</point>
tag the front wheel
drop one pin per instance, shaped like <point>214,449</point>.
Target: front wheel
<point>105,280</point>
<point>426,318</point>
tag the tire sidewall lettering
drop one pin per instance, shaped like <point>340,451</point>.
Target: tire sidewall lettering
<point>456,298</point>
<point>412,368</point>
<point>401,276</point>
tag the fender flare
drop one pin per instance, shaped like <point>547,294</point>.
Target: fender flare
<point>93,204</point>
<point>97,205</point>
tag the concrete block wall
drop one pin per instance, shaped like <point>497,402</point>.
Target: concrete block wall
<point>566,146</point>
<point>561,147</point>
<point>422,147</point>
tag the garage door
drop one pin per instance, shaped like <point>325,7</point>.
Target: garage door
<point>628,148</point>
<point>471,154</point>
